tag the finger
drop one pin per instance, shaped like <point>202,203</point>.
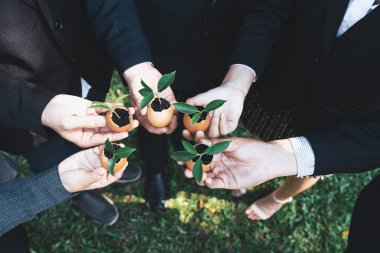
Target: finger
<point>75,122</point>
<point>188,173</point>
<point>93,176</point>
<point>135,124</point>
<point>100,138</point>
<point>223,127</point>
<point>137,102</point>
<point>215,183</point>
<point>200,99</point>
<point>173,124</point>
<point>187,135</point>
<point>205,141</point>
<point>213,131</point>
<point>199,135</point>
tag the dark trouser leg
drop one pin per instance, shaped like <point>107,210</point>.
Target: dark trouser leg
<point>15,241</point>
<point>365,223</point>
<point>153,151</point>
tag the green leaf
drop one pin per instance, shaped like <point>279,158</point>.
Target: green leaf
<point>182,156</point>
<point>146,100</point>
<point>195,118</point>
<point>120,99</point>
<point>109,147</point>
<point>213,105</point>
<point>217,148</point>
<point>198,170</point>
<point>145,92</point>
<point>111,165</point>
<point>188,147</point>
<point>165,81</point>
<point>102,105</point>
<point>145,85</point>
<point>185,108</point>
<point>124,152</point>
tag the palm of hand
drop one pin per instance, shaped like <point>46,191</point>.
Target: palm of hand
<point>240,168</point>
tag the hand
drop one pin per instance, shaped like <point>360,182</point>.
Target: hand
<point>71,117</point>
<point>248,162</point>
<point>83,171</point>
<point>150,75</point>
<point>234,88</point>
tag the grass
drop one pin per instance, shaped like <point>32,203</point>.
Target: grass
<point>203,220</point>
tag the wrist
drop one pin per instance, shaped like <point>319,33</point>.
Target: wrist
<point>136,70</point>
<point>61,171</point>
<point>45,113</point>
<point>283,160</point>
<point>240,77</point>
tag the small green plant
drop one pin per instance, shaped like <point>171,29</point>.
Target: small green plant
<point>200,154</point>
<point>197,111</point>
<point>103,105</point>
<point>165,81</point>
<point>115,153</point>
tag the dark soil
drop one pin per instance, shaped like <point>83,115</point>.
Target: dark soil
<point>121,118</point>
<point>160,104</point>
<point>206,159</point>
<point>203,116</point>
<point>109,154</point>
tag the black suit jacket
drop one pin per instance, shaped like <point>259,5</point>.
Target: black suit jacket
<point>334,82</point>
<point>45,47</point>
<point>200,38</point>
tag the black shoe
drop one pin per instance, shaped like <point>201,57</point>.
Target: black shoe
<point>98,207</point>
<point>131,174</point>
<point>155,191</point>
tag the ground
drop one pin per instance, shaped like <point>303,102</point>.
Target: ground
<point>202,220</point>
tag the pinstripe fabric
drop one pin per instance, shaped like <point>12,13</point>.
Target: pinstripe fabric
<point>22,199</point>
<point>304,156</point>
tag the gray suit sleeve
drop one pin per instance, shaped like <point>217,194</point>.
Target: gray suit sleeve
<point>22,199</point>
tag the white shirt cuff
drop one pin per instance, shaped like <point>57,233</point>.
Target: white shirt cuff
<point>304,156</point>
<point>251,69</point>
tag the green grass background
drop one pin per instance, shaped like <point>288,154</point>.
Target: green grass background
<point>202,220</point>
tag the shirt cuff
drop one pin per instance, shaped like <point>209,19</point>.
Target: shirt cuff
<point>304,156</point>
<point>251,69</point>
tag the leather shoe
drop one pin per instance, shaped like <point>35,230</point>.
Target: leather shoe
<point>155,191</point>
<point>131,174</point>
<point>98,207</point>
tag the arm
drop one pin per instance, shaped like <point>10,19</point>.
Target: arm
<point>118,28</point>
<point>22,199</point>
<point>347,148</point>
<point>22,104</point>
<point>260,29</point>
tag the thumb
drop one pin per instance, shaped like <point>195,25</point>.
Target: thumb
<point>93,176</point>
<point>199,99</point>
<point>84,122</point>
<point>234,145</point>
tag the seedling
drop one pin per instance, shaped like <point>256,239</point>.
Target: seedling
<point>160,111</point>
<point>198,158</point>
<point>197,118</point>
<point>114,156</point>
<point>118,117</point>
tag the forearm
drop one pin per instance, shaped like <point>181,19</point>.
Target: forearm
<point>118,28</point>
<point>240,77</point>
<point>261,28</point>
<point>22,104</point>
<point>22,199</point>
<point>347,148</point>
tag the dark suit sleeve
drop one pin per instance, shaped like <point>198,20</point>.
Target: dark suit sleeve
<point>22,104</point>
<point>118,28</point>
<point>22,199</point>
<point>348,148</point>
<point>260,29</point>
